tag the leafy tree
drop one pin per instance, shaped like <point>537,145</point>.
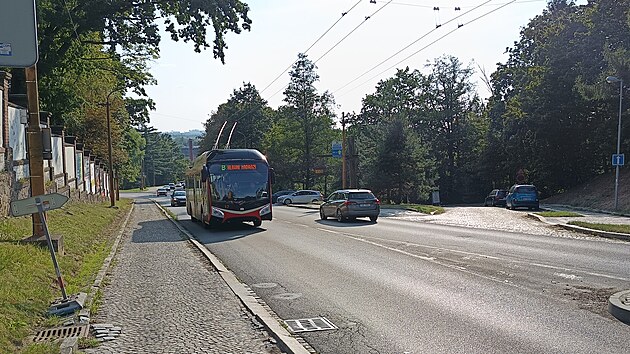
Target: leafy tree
<point>163,159</point>
<point>307,118</point>
<point>251,113</point>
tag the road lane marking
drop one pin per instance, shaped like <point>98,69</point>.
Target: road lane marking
<point>405,243</point>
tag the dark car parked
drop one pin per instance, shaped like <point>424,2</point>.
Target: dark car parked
<point>522,196</point>
<point>349,204</point>
<point>274,197</point>
<point>178,198</point>
<point>496,198</point>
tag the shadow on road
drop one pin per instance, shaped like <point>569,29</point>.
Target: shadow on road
<point>222,233</point>
<point>347,223</point>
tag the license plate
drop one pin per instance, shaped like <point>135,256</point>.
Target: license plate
<point>364,205</point>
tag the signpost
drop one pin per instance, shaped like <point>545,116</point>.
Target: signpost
<point>40,204</point>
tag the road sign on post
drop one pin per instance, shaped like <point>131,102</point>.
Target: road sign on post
<point>336,149</point>
<point>29,205</point>
<point>618,160</point>
<point>18,33</point>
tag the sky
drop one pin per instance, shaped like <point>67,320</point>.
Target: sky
<point>192,85</point>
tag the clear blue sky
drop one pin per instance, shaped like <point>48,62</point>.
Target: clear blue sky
<point>191,85</point>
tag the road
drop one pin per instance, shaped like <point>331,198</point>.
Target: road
<point>415,287</point>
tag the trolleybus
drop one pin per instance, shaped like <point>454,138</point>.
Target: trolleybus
<point>230,185</point>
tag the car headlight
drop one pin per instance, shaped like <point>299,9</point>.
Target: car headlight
<point>265,210</point>
<point>216,212</point>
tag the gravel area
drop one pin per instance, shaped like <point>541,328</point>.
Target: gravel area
<point>491,218</point>
<point>167,299</point>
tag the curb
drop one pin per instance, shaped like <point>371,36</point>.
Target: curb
<point>584,230</point>
<point>285,340</point>
<point>71,345</point>
<point>590,209</point>
<point>619,306</point>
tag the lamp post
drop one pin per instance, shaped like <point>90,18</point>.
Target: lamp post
<point>610,80</point>
<point>112,196</point>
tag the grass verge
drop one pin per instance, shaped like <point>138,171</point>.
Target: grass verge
<point>625,229</point>
<point>133,190</point>
<point>28,278</point>
<point>425,209</point>
<point>558,214</point>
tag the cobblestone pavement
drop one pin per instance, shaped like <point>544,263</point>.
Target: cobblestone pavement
<point>167,299</point>
<point>491,218</point>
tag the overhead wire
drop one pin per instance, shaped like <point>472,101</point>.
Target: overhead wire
<point>354,29</point>
<point>74,27</point>
<point>312,45</point>
<point>430,44</point>
<point>410,44</point>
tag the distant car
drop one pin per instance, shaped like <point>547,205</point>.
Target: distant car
<point>276,195</point>
<point>171,186</point>
<point>496,198</point>
<point>163,191</point>
<point>178,198</point>
<point>522,196</point>
<point>301,196</point>
<point>349,204</point>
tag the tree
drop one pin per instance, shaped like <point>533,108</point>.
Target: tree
<point>251,113</point>
<point>308,115</point>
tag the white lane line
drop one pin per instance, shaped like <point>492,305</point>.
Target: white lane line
<point>541,265</point>
<point>329,231</point>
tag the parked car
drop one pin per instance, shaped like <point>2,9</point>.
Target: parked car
<point>301,196</point>
<point>162,191</point>
<point>178,198</point>
<point>276,195</point>
<point>349,204</point>
<point>522,196</point>
<point>496,198</point>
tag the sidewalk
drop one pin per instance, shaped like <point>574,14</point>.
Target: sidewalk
<point>590,216</point>
<point>166,298</point>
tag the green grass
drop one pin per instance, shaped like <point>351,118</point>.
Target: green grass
<point>559,214</point>
<point>28,278</point>
<point>425,209</point>
<point>625,229</point>
<point>133,190</point>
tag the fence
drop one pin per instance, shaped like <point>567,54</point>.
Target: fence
<point>72,171</point>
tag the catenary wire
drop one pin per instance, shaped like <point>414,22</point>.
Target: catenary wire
<point>312,45</point>
<point>409,45</point>
<point>430,44</point>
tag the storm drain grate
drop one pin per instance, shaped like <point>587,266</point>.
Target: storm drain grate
<point>310,324</point>
<point>61,332</point>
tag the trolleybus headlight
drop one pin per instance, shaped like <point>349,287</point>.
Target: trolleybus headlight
<point>265,210</point>
<point>216,212</point>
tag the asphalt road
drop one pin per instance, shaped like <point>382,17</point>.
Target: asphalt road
<point>399,286</point>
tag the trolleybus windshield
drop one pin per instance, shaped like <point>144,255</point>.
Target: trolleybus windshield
<point>240,183</point>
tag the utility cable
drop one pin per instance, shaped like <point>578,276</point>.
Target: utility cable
<point>354,29</point>
<point>409,45</point>
<point>74,27</point>
<point>430,44</point>
<point>312,45</point>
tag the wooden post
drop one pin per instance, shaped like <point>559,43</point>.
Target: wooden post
<point>35,153</point>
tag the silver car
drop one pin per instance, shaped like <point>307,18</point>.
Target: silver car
<point>302,196</point>
<point>349,204</point>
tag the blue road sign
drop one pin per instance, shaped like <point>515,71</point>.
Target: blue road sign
<point>336,149</point>
<point>617,160</point>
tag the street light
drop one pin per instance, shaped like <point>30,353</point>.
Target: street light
<point>112,196</point>
<point>610,80</point>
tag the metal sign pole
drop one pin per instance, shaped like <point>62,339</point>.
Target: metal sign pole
<point>40,209</point>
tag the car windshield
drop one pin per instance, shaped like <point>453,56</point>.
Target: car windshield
<point>525,190</point>
<point>501,193</point>
<point>179,193</point>
<point>361,195</point>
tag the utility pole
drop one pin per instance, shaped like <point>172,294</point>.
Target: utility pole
<point>343,150</point>
<point>35,147</point>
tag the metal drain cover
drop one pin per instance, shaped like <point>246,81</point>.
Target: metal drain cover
<point>61,332</point>
<point>310,324</point>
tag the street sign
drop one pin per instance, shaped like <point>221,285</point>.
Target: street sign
<point>29,205</point>
<point>18,33</point>
<point>336,149</point>
<point>617,159</point>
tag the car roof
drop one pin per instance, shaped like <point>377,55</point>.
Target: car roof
<point>353,191</point>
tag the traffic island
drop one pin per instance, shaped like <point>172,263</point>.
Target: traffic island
<point>619,306</point>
